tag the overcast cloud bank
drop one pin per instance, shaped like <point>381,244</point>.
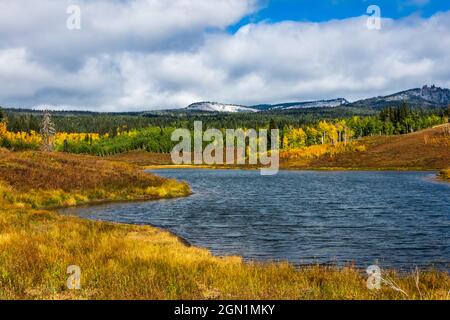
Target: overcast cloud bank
<point>156,54</point>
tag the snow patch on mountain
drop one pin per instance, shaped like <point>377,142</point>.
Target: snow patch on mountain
<point>219,107</point>
<point>320,104</point>
<point>432,94</point>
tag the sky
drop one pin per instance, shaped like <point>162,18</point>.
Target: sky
<point>135,55</point>
<point>321,11</point>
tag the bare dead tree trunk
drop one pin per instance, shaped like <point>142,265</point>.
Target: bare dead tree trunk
<point>48,132</point>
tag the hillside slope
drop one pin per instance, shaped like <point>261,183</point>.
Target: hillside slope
<point>36,179</point>
<point>425,97</point>
<point>425,150</point>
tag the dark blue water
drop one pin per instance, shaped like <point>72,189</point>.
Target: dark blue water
<point>396,219</point>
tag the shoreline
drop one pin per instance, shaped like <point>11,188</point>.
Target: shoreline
<point>188,244</point>
<point>183,241</point>
<point>94,204</point>
<point>224,167</point>
<point>211,167</point>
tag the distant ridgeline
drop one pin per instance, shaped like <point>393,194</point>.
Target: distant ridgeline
<point>111,134</point>
<point>300,123</point>
<point>427,97</point>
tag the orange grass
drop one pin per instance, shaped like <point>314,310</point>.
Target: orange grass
<point>142,262</point>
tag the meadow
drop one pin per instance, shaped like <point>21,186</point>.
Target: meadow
<point>142,262</point>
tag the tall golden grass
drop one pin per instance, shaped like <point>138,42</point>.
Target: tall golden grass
<point>139,262</point>
<point>37,180</point>
<point>131,262</point>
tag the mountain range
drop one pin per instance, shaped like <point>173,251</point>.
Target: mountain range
<point>425,97</point>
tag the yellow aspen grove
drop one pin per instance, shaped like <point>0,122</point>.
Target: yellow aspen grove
<point>295,138</point>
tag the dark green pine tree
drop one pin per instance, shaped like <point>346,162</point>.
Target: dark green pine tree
<point>2,115</point>
<point>272,126</point>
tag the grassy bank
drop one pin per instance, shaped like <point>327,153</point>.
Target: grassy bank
<point>445,174</point>
<point>130,262</point>
<point>37,180</point>
<point>138,262</point>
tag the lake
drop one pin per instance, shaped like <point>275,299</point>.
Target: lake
<point>395,219</point>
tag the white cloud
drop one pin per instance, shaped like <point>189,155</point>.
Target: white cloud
<point>18,75</point>
<point>161,54</point>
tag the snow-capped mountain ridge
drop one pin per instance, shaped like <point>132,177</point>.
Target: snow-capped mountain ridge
<point>219,107</point>
<point>333,103</point>
<point>234,108</point>
<point>427,96</point>
<point>433,94</point>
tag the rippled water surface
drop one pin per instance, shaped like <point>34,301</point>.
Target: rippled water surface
<point>398,219</point>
